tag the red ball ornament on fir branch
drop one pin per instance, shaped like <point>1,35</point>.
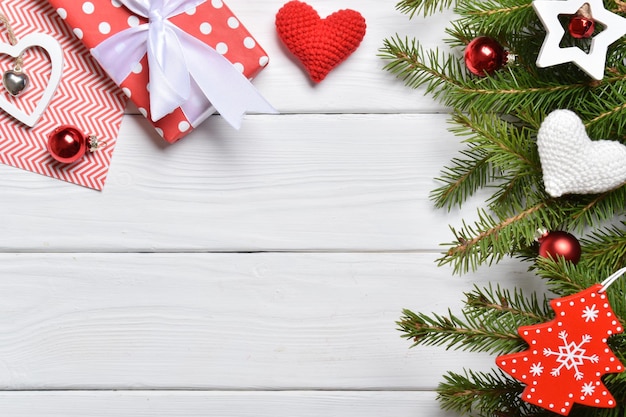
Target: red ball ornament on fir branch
<point>484,55</point>
<point>560,244</point>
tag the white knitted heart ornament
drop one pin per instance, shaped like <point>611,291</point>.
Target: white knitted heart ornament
<point>574,164</point>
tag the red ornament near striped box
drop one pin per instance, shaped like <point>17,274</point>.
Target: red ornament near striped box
<point>178,60</point>
<point>85,97</point>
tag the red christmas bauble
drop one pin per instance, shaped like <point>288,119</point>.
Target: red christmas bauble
<point>581,27</point>
<point>484,55</point>
<point>67,144</point>
<point>560,244</point>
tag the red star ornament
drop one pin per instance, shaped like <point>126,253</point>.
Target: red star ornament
<point>568,356</point>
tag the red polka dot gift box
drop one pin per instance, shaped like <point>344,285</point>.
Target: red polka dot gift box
<point>179,61</point>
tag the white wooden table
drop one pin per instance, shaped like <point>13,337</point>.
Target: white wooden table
<point>257,272</point>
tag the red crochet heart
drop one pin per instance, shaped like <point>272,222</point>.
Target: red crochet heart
<point>320,44</point>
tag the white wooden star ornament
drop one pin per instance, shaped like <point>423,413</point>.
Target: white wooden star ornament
<point>594,62</point>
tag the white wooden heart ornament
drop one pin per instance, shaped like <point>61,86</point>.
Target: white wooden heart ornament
<point>574,164</point>
<point>55,53</point>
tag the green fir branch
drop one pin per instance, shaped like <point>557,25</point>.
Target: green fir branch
<point>496,18</point>
<point>487,394</point>
<point>489,240</point>
<point>589,210</point>
<point>563,278</point>
<point>604,114</point>
<point>517,88</point>
<point>508,91</point>
<point>492,303</point>
<point>510,146</point>
<point>479,165</point>
<point>510,150</point>
<point>582,411</point>
<point>424,7</point>
<point>606,248</point>
<point>468,333</point>
<point>488,323</point>
<point>468,173</point>
<point>497,117</point>
<point>510,228</point>
<point>495,236</point>
<point>409,62</point>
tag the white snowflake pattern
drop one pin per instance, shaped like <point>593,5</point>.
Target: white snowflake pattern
<point>571,355</point>
<point>536,369</point>
<point>590,313</point>
<point>588,389</point>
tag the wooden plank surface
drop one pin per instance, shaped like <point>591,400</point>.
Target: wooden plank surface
<point>224,321</point>
<point>216,403</point>
<point>256,272</point>
<point>297,182</point>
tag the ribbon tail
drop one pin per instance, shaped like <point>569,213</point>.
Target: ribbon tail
<point>228,90</point>
<point>239,99</point>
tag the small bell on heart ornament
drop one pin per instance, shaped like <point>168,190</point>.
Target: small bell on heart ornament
<point>15,82</point>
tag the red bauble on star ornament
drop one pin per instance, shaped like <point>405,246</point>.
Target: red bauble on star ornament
<point>567,357</point>
<point>560,244</point>
<point>581,27</point>
<point>484,55</point>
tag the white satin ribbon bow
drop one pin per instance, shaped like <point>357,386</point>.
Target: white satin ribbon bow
<point>175,58</point>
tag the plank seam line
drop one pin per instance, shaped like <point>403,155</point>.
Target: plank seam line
<point>201,390</point>
<point>333,113</point>
<point>226,251</point>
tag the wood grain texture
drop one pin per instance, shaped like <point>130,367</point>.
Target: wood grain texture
<point>225,321</point>
<point>224,404</point>
<point>300,182</point>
